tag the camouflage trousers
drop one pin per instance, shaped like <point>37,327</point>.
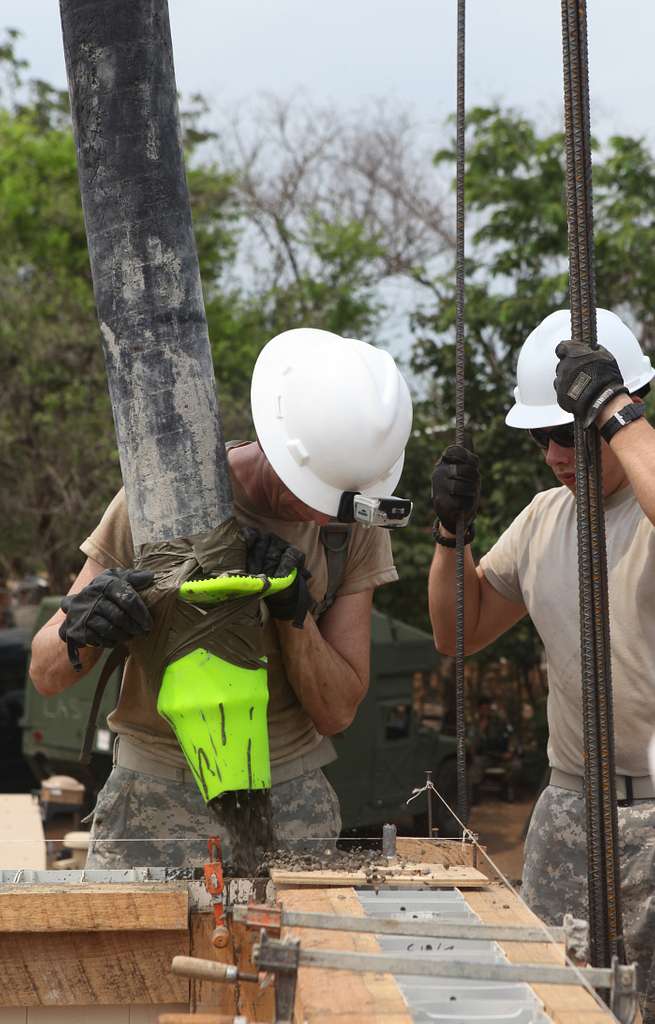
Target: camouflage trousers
<point>143,821</point>
<point>555,874</point>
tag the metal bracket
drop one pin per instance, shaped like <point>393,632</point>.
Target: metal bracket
<point>282,959</point>
<point>623,991</point>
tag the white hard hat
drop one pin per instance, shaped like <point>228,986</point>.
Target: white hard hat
<point>332,414</point>
<point>534,394</point>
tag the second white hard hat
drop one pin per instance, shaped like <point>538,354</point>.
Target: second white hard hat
<point>332,414</point>
<point>535,400</point>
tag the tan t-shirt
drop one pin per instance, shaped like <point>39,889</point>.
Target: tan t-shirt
<point>292,734</point>
<point>536,561</point>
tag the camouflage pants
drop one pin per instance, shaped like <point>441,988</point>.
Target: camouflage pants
<point>142,821</point>
<point>555,874</point>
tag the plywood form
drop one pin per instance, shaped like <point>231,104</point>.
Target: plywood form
<point>436,876</point>
<point>93,908</point>
<point>22,842</point>
<point>565,1004</point>
<point>347,997</point>
<point>437,851</point>
<point>91,968</point>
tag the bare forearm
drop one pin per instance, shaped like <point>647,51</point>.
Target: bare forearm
<point>442,598</point>
<point>326,685</point>
<point>50,670</point>
<point>634,447</point>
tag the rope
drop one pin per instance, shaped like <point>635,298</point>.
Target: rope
<point>472,838</point>
<point>460,718</point>
<point>605,918</point>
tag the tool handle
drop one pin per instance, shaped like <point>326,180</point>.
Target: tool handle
<point>208,970</point>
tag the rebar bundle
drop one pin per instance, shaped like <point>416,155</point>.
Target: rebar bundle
<point>460,719</point>
<point>600,789</point>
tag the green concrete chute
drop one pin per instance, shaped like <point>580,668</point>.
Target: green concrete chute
<point>217,709</point>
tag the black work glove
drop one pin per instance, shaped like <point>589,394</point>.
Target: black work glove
<point>107,612</point>
<point>456,487</point>
<point>586,379</point>
<point>269,555</point>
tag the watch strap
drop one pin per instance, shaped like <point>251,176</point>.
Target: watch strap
<point>620,419</point>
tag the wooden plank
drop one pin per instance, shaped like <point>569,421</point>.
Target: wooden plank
<point>349,998</point>
<point>565,1004</point>
<point>440,876</point>
<point>94,908</point>
<point>204,995</point>
<point>246,998</point>
<point>92,968</point>
<point>195,1018</point>
<point>437,851</point>
<point>22,842</point>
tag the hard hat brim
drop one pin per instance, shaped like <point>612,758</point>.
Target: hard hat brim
<point>528,417</point>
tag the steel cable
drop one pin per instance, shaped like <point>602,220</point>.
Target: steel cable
<point>460,702</point>
<point>600,789</point>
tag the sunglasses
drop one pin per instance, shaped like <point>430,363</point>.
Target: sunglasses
<point>563,436</point>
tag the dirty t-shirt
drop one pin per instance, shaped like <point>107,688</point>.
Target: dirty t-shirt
<point>294,740</point>
<point>536,561</point>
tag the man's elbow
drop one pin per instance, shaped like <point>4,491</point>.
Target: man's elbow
<point>444,644</point>
<point>42,680</point>
<point>334,723</point>
<point>333,720</point>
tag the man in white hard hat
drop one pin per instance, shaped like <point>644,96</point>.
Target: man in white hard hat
<point>332,417</point>
<point>532,570</point>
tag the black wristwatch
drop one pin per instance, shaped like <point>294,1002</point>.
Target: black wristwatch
<point>620,419</point>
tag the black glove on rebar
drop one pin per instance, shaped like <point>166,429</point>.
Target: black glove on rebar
<point>269,555</point>
<point>586,379</point>
<point>456,487</point>
<point>107,612</point>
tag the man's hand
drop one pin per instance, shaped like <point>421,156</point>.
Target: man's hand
<point>586,379</point>
<point>456,487</point>
<point>269,555</point>
<point>107,612</point>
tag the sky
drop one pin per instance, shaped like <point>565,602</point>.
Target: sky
<point>350,51</point>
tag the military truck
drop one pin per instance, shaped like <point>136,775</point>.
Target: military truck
<point>395,737</point>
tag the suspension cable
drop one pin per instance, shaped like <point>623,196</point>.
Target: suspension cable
<point>605,919</point>
<point>460,717</point>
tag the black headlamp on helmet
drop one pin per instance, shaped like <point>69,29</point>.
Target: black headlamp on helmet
<point>389,513</point>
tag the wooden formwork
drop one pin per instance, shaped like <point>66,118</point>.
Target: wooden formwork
<point>101,954</point>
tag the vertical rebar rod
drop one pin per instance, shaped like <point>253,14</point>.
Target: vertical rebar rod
<point>460,695</point>
<point>600,789</point>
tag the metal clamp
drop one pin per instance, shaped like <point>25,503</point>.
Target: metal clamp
<point>282,959</point>
<point>623,991</point>
<point>275,918</point>
<point>260,915</point>
<point>214,886</point>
